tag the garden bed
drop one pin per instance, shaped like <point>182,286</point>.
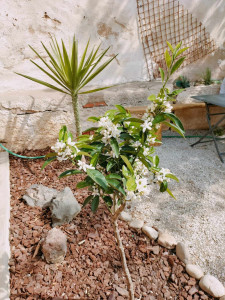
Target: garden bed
<point>92,267</point>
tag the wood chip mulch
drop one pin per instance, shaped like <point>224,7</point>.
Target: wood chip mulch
<point>92,267</point>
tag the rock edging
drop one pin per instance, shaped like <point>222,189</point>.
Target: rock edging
<point>207,283</point>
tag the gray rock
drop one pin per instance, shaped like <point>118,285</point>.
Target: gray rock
<point>39,195</point>
<point>150,232</point>
<point>194,271</point>
<point>166,240</point>
<point>125,216</point>
<point>183,253</point>
<point>136,224</point>
<point>54,246</point>
<point>64,207</point>
<point>212,286</point>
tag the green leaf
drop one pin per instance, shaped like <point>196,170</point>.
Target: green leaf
<point>115,146</point>
<point>94,159</point>
<point>43,83</point>
<point>116,185</point>
<point>95,204</point>
<point>177,64</point>
<point>152,97</point>
<point>108,200</point>
<point>172,177</point>
<point>96,90</point>
<point>110,165</point>
<point>170,193</point>
<point>51,154</point>
<point>121,108</point>
<point>155,160</point>
<point>83,184</point>
<point>181,51</point>
<point>175,128</point>
<point>69,172</point>
<point>163,186</point>
<point>98,177</point>
<point>162,74</point>
<point>48,161</point>
<point>175,120</point>
<point>125,159</point>
<point>93,119</point>
<point>131,184</point>
<point>158,119</point>
<point>113,176</point>
<point>170,46</point>
<point>125,172</point>
<point>87,200</point>
<point>167,59</point>
<point>135,120</point>
<point>178,46</point>
<point>125,136</point>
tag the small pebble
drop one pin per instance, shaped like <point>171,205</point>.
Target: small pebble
<point>194,271</point>
<point>136,224</point>
<point>166,240</point>
<point>150,232</point>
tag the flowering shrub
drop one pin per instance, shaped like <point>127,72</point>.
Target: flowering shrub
<point>118,158</point>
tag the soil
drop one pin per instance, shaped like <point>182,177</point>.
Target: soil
<point>92,267</point>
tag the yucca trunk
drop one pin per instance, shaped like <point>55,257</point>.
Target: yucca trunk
<point>76,113</point>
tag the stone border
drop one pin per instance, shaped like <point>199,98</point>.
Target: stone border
<point>208,283</point>
<point>4,228</point>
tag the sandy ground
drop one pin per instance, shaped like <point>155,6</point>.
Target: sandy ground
<point>197,216</point>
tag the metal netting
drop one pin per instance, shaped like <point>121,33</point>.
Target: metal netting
<point>167,20</point>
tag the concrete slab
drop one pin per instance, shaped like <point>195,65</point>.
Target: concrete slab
<point>4,226</point>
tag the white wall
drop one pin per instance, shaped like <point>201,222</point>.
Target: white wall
<point>111,22</point>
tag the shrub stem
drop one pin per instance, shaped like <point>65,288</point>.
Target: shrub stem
<point>123,258</point>
<point>76,113</point>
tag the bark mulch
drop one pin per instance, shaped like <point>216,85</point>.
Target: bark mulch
<point>92,267</point>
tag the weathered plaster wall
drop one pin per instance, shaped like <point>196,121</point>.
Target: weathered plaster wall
<point>211,14</point>
<point>110,22</point>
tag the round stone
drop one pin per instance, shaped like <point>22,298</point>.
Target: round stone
<point>166,240</point>
<point>136,224</point>
<point>212,286</point>
<point>182,252</point>
<point>125,216</point>
<point>150,232</point>
<point>194,271</point>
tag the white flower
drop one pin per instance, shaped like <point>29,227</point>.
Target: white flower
<point>168,107</point>
<point>146,125</point>
<point>83,166</point>
<point>91,137</point>
<point>109,129</point>
<point>69,142</point>
<point>58,146</point>
<point>152,107</point>
<point>161,175</point>
<point>136,144</point>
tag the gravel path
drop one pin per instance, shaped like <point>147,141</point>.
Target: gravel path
<point>197,217</point>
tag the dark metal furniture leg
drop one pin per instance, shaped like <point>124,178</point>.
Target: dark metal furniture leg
<point>211,131</point>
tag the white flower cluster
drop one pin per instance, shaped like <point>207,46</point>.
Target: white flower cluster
<point>143,180</point>
<point>109,129</point>
<point>83,166</point>
<point>164,104</point>
<point>65,150</point>
<point>161,175</point>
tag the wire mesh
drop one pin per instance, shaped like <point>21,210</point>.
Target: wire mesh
<point>167,20</point>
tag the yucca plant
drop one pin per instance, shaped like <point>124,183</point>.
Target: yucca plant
<point>70,74</point>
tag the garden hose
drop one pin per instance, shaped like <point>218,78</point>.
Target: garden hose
<point>20,156</point>
<point>38,157</point>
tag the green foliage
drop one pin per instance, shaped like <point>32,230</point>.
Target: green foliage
<point>119,163</point>
<point>69,74</point>
<point>207,77</point>
<point>182,82</point>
